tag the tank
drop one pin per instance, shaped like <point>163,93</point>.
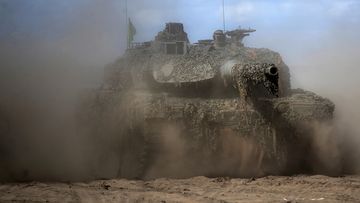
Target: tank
<point>230,106</point>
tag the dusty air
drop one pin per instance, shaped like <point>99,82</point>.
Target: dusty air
<point>115,111</point>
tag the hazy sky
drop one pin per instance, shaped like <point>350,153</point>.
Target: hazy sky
<point>279,22</point>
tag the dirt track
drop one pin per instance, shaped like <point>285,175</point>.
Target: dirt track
<point>198,189</point>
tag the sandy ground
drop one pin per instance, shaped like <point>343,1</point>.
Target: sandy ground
<point>198,189</point>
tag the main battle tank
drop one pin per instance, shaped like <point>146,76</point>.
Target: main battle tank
<point>231,107</point>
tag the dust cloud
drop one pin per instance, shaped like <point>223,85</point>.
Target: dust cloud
<point>331,70</point>
<point>238,157</point>
<point>43,71</point>
<point>41,79</point>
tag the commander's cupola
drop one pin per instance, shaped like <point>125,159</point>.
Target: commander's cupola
<point>172,40</point>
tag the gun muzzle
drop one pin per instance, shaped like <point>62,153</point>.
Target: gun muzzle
<point>272,70</point>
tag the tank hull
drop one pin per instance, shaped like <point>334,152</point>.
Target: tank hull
<point>259,138</point>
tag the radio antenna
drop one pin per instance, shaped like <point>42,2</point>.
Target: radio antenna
<point>127,24</point>
<point>223,7</point>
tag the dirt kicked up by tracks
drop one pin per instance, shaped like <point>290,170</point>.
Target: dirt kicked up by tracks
<point>199,189</point>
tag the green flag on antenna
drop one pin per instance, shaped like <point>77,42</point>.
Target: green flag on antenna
<point>131,32</point>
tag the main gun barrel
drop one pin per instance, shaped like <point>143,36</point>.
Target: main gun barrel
<point>251,76</point>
